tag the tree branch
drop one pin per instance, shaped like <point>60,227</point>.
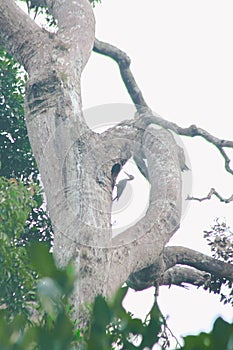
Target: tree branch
<point>147,117</point>
<point>197,274</point>
<point>21,36</point>
<point>185,256</point>
<point>123,62</point>
<point>191,131</point>
<point>177,275</point>
<point>212,192</point>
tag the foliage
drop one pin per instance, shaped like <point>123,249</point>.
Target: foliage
<point>220,240</point>
<point>33,292</point>
<point>35,311</point>
<point>17,278</point>
<point>221,337</point>
<point>34,308</point>
<point>39,7</point>
<point>112,327</point>
<point>17,160</point>
<point>50,326</point>
<point>94,2</point>
<point>15,150</point>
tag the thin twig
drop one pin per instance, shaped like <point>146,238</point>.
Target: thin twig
<point>212,192</point>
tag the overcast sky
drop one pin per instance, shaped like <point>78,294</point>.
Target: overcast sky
<point>182,56</point>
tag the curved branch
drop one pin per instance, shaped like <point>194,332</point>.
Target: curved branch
<point>140,245</point>
<point>226,158</point>
<point>123,62</point>
<point>185,256</point>
<point>164,209</point>
<point>177,275</point>
<point>196,272</point>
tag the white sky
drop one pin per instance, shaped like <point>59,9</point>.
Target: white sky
<point>182,56</point>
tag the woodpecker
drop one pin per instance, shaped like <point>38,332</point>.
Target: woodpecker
<point>115,171</point>
<point>121,186</point>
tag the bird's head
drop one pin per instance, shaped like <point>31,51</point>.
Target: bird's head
<point>131,177</point>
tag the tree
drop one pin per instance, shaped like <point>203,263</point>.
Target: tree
<point>79,167</point>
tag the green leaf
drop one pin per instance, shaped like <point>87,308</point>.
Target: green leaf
<point>221,337</point>
<point>42,260</point>
<point>100,319</point>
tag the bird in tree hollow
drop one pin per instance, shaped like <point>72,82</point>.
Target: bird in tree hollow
<point>121,186</point>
